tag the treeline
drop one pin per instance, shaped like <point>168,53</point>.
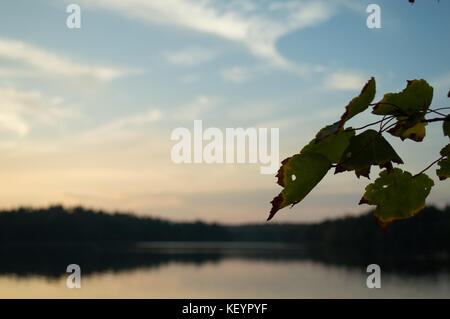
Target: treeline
<point>58,224</point>
<point>352,239</point>
<point>428,232</point>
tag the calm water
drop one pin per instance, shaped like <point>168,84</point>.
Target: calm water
<point>207,270</point>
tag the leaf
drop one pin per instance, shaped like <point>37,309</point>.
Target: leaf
<point>415,98</point>
<point>357,105</point>
<point>298,175</point>
<point>397,195</point>
<point>443,172</point>
<point>445,151</point>
<point>367,149</point>
<point>328,131</point>
<point>409,106</point>
<point>360,103</point>
<point>332,147</point>
<point>409,127</point>
<point>446,125</point>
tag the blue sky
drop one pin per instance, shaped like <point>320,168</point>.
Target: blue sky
<point>86,114</point>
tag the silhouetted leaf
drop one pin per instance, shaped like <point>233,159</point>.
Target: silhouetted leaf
<point>332,147</point>
<point>327,131</point>
<point>367,149</point>
<point>446,126</point>
<point>357,105</point>
<point>397,195</point>
<point>360,103</point>
<point>409,106</point>
<point>443,172</point>
<point>298,175</point>
<point>410,127</point>
<point>415,98</point>
<point>445,151</point>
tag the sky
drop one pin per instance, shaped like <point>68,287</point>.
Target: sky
<point>86,114</point>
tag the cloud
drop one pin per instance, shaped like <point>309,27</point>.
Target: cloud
<point>20,109</point>
<point>13,122</point>
<point>255,24</point>
<point>196,109</point>
<point>133,120</point>
<point>130,126</point>
<point>190,56</point>
<point>236,74</point>
<point>189,78</point>
<point>345,81</point>
<point>54,64</point>
<point>120,126</point>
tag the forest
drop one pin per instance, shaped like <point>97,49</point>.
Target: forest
<point>429,233</point>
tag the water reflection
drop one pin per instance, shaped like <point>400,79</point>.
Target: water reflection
<point>213,270</point>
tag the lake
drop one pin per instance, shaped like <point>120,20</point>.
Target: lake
<point>208,270</point>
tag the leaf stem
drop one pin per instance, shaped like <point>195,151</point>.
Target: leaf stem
<point>434,111</point>
<point>382,126</point>
<point>426,168</point>
<point>437,119</point>
<point>367,125</point>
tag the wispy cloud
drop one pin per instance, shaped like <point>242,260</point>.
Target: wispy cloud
<point>120,126</point>
<point>20,109</point>
<point>345,81</point>
<point>236,74</point>
<point>190,56</point>
<point>256,24</point>
<point>189,78</point>
<point>134,120</point>
<point>196,109</point>
<point>54,64</point>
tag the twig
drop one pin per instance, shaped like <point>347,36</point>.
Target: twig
<point>434,111</point>
<point>422,171</point>
<point>360,128</point>
<point>442,108</point>
<point>437,119</point>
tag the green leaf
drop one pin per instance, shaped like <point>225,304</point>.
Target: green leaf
<point>357,105</point>
<point>446,125</point>
<point>409,106</point>
<point>298,175</point>
<point>367,149</point>
<point>443,172</point>
<point>445,151</point>
<point>410,127</point>
<point>332,147</point>
<point>360,103</point>
<point>397,195</point>
<point>415,98</point>
<point>328,131</point>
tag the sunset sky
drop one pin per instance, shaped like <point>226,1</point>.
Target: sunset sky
<point>86,114</point>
